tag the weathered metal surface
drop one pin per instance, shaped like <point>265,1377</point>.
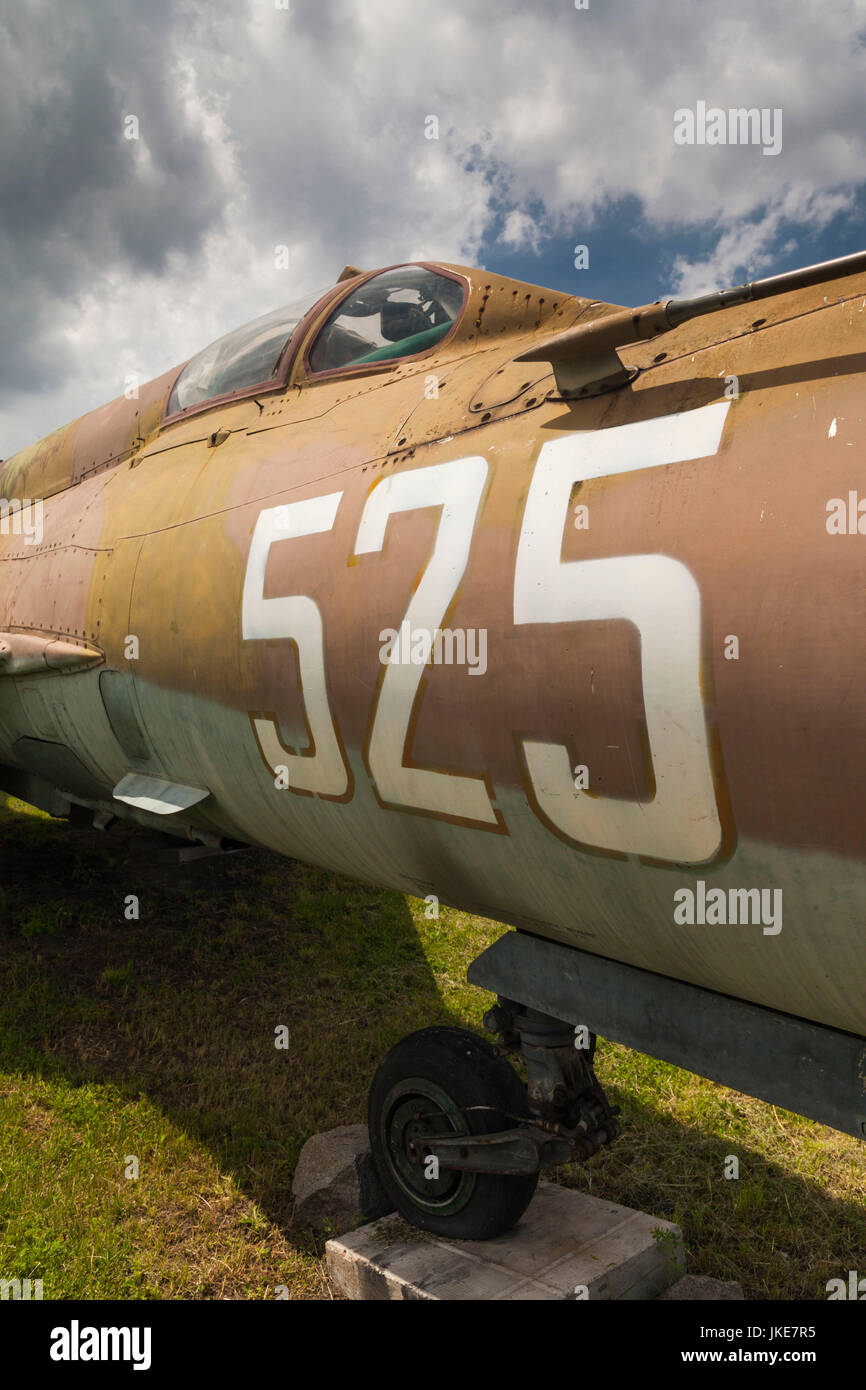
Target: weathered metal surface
<point>816,1071</point>
<point>258,576</point>
<point>585,358</point>
<point>101,439</point>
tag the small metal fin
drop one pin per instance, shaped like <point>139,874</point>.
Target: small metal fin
<point>154,794</point>
<point>348,273</point>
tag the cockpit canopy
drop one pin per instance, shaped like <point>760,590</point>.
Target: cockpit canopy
<point>396,314</point>
<point>244,357</point>
<point>399,313</point>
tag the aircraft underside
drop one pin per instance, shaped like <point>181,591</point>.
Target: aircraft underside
<point>584,659</point>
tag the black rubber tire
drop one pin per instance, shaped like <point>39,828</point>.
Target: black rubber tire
<point>449,1064</point>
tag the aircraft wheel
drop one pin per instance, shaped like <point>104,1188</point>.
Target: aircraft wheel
<point>426,1086</point>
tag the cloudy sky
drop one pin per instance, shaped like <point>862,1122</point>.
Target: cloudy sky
<point>306,124</point>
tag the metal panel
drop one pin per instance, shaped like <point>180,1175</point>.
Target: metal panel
<point>814,1071</point>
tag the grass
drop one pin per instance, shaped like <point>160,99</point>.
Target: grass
<point>139,1008</point>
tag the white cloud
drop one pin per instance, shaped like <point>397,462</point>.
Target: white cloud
<point>746,249</point>
<point>520,231</point>
<point>307,127</point>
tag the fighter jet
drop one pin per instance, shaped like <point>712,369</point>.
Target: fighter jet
<point>509,599</point>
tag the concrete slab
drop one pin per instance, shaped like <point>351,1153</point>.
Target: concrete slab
<point>567,1246</point>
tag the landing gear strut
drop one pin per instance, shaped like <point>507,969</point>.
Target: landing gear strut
<point>459,1141</point>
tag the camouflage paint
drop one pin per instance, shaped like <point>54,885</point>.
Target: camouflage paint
<point>148,532</point>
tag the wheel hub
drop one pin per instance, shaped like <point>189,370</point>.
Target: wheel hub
<point>416,1111</point>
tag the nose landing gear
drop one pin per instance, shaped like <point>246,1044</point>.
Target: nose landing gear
<point>446,1084</point>
<point>459,1142</point>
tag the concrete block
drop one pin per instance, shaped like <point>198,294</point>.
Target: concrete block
<point>567,1246</point>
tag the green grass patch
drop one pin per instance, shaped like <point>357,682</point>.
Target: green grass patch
<point>149,1128</point>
